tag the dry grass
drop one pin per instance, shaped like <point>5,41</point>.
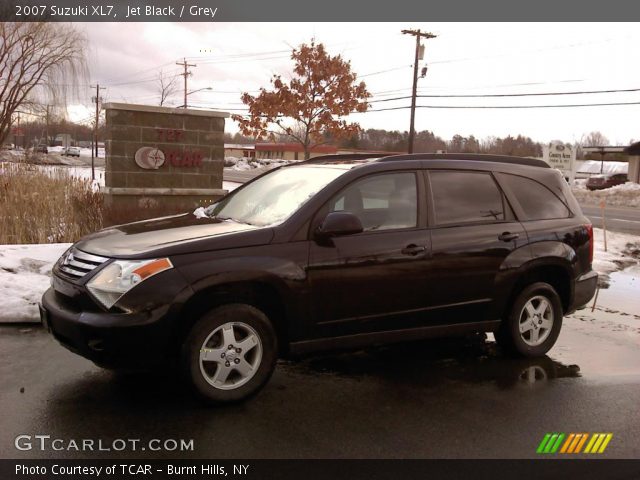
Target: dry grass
<point>38,206</point>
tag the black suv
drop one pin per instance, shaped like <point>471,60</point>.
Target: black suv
<point>335,252</point>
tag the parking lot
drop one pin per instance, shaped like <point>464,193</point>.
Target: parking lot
<point>438,399</point>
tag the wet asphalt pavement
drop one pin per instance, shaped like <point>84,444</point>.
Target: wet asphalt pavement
<point>435,399</point>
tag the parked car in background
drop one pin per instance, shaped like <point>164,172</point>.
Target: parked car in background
<point>607,180</point>
<point>340,252</point>
<point>41,149</point>
<point>71,152</point>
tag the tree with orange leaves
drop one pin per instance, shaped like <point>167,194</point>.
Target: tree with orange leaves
<point>311,106</point>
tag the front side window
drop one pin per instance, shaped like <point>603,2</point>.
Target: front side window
<point>382,202</point>
<point>466,197</point>
<point>272,199</point>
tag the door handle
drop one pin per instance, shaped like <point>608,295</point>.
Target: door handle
<point>413,249</point>
<point>508,236</point>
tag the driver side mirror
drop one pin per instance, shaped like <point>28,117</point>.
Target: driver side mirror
<point>337,224</point>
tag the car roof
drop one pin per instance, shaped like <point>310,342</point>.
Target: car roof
<point>363,158</point>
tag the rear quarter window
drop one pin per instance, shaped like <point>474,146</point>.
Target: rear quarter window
<point>536,200</point>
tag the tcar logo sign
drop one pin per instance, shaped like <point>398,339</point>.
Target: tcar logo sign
<point>149,158</point>
<point>573,443</point>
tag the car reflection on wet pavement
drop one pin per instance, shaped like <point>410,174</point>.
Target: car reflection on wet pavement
<point>470,360</point>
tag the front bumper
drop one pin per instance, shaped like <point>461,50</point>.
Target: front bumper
<point>113,340</point>
<point>585,288</point>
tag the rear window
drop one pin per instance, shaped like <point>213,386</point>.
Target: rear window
<point>466,197</point>
<point>537,201</point>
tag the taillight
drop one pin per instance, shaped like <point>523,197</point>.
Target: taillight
<point>589,228</point>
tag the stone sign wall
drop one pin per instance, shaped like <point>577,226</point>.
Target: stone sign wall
<point>162,160</point>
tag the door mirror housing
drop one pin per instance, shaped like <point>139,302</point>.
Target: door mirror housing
<point>337,224</point>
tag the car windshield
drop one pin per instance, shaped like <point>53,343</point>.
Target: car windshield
<point>274,197</point>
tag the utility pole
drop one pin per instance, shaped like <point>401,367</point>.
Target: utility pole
<point>185,75</point>
<point>46,122</point>
<point>419,35</point>
<point>94,147</point>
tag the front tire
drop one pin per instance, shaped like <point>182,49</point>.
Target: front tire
<point>230,353</point>
<point>534,322</point>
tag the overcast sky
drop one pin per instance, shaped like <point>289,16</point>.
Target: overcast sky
<point>465,58</point>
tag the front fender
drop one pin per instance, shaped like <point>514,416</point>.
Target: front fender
<point>281,267</point>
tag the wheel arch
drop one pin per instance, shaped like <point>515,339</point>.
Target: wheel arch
<point>258,293</point>
<point>555,271</point>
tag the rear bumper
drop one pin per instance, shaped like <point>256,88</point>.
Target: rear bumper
<point>113,340</point>
<point>585,288</point>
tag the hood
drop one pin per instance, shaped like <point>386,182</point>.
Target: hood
<point>172,235</point>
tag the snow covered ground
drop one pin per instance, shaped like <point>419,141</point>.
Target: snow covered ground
<point>230,186</point>
<point>84,152</point>
<point>595,167</point>
<point>24,276</point>
<point>623,250</point>
<point>625,195</point>
<point>243,164</point>
<point>25,270</point>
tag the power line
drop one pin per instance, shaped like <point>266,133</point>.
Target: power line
<point>503,95</point>
<point>611,104</point>
<point>384,71</point>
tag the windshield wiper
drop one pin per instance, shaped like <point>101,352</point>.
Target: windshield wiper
<point>218,217</point>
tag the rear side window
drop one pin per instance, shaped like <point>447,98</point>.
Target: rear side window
<point>537,201</point>
<point>466,197</point>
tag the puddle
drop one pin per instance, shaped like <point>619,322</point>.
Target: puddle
<point>623,294</point>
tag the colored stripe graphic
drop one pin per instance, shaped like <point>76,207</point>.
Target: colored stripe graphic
<point>567,443</point>
<point>555,447</point>
<point>581,443</point>
<point>550,443</point>
<point>543,443</point>
<point>573,443</point>
<point>598,443</point>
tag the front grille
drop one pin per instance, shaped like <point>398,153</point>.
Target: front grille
<point>77,263</point>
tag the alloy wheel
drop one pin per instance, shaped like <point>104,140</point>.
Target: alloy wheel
<point>230,355</point>
<point>536,320</point>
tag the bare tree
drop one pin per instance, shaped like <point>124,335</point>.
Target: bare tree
<point>39,63</point>
<point>167,86</point>
<point>594,139</point>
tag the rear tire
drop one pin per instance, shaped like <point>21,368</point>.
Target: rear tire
<point>533,323</point>
<point>230,353</point>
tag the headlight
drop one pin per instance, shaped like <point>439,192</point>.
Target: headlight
<point>119,277</point>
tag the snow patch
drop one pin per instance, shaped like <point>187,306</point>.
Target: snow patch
<point>25,272</point>
<point>625,195</point>
<point>622,251</point>
<point>244,164</point>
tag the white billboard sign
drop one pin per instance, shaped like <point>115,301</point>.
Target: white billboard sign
<point>562,157</point>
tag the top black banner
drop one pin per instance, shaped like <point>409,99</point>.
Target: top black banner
<point>323,11</point>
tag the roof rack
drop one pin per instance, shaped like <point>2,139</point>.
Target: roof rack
<point>481,157</point>
<point>340,157</point>
<point>336,158</point>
